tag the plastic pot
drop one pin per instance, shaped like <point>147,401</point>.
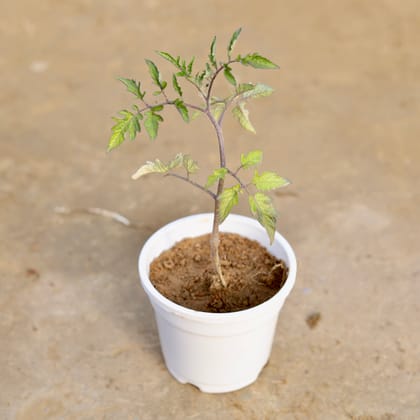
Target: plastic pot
<point>215,352</point>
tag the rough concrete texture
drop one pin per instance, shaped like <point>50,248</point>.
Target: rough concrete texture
<point>77,335</point>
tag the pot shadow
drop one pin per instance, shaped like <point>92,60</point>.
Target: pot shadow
<point>110,280</point>
<point>132,312</point>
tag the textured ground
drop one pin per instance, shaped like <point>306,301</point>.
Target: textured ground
<point>77,336</point>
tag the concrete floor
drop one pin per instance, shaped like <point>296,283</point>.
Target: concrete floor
<point>77,335</point>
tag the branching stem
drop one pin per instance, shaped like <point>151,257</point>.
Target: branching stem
<point>169,102</point>
<point>213,78</point>
<point>195,184</point>
<point>233,174</point>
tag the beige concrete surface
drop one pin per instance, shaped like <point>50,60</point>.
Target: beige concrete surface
<point>77,335</point>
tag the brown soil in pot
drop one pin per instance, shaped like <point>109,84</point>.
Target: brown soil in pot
<point>184,274</point>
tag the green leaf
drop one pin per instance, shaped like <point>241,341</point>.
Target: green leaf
<point>262,208</point>
<point>128,124</point>
<point>233,40</point>
<point>254,91</point>
<point>212,56</point>
<point>151,124</point>
<point>216,109</point>
<point>190,66</point>
<point>168,57</point>
<point>251,159</point>
<point>217,174</point>
<point>229,76</point>
<point>149,168</point>
<point>176,162</point>
<point>155,74</point>
<point>189,164</point>
<point>199,77</point>
<point>244,87</point>
<point>156,108</point>
<point>132,86</point>
<point>176,86</point>
<point>227,199</point>
<point>208,71</point>
<point>182,109</point>
<point>269,181</point>
<point>242,115</point>
<point>117,137</point>
<point>133,127</point>
<point>258,62</point>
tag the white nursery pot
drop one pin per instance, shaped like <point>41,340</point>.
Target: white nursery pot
<point>217,352</point>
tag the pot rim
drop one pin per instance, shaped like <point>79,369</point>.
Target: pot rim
<point>213,317</point>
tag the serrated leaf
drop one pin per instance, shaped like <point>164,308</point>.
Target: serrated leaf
<point>176,86</point>
<point>128,124</point>
<point>156,108</point>
<point>133,127</point>
<point>199,77</point>
<point>216,109</point>
<point>176,162</point>
<point>269,181</point>
<point>229,76</point>
<point>233,40</point>
<point>117,137</point>
<point>168,57</point>
<point>251,159</point>
<point>190,66</point>
<point>155,74</point>
<point>258,62</point>
<point>217,174</point>
<point>182,109</point>
<point>227,199</point>
<point>244,87</point>
<point>189,164</point>
<point>262,208</point>
<point>149,168</point>
<point>132,86</point>
<point>151,124</point>
<point>242,115</point>
<point>212,56</point>
<point>257,91</point>
<point>208,71</point>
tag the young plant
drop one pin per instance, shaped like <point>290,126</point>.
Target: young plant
<point>148,114</point>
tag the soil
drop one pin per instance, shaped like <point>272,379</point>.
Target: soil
<point>185,274</point>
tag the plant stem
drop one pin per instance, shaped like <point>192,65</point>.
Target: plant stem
<point>195,184</point>
<point>215,236</point>
<point>168,102</point>
<point>233,174</point>
<point>213,78</point>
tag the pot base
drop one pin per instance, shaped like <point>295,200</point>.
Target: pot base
<point>215,389</point>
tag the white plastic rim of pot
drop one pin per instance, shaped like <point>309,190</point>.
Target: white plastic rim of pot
<point>216,352</point>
